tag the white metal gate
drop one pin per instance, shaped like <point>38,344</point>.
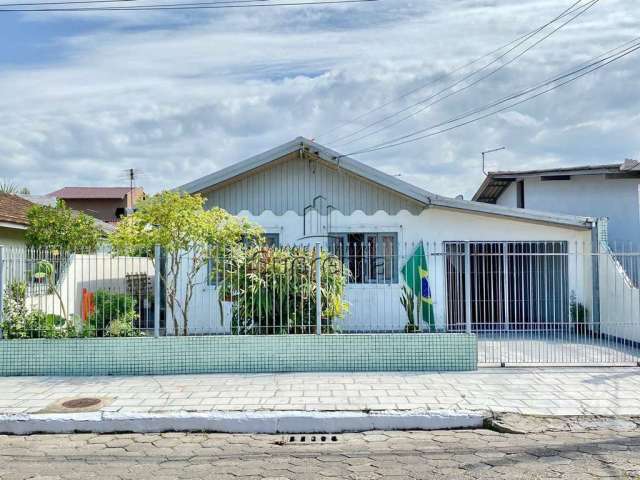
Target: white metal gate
<point>543,303</point>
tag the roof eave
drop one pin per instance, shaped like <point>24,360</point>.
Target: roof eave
<point>358,168</point>
<point>516,213</point>
<point>13,225</point>
<point>209,181</point>
<point>579,170</point>
<point>485,184</point>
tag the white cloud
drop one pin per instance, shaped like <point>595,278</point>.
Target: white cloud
<point>180,95</point>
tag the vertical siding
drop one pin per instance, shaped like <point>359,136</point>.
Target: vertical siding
<point>292,183</point>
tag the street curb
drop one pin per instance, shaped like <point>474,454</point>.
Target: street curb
<point>239,422</point>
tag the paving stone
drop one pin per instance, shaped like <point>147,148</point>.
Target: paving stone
<point>544,391</point>
<point>469,454</point>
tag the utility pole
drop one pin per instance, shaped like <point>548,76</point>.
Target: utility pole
<point>486,152</point>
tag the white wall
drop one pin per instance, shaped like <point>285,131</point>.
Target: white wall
<point>586,195</point>
<point>620,301</point>
<point>12,237</point>
<point>93,272</point>
<point>377,307</point>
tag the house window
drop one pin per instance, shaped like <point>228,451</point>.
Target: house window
<point>370,257</point>
<point>271,240</point>
<point>520,186</point>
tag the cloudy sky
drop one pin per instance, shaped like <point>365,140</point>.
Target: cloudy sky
<point>179,94</point>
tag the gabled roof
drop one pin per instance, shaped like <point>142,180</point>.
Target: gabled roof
<point>497,182</point>
<point>13,210</point>
<point>378,177</point>
<point>81,193</point>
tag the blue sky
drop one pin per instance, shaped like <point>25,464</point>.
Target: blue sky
<point>180,94</point>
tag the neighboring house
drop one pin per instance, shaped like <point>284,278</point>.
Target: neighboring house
<point>105,203</point>
<point>303,193</point>
<point>611,191</point>
<point>14,221</point>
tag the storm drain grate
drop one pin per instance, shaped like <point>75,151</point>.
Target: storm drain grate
<point>312,439</point>
<point>81,403</point>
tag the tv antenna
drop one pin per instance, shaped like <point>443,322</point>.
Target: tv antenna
<point>486,152</point>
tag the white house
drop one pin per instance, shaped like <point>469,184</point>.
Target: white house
<point>303,193</point>
<point>611,191</point>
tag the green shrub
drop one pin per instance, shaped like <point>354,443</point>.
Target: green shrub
<point>123,326</point>
<point>47,325</point>
<point>19,322</point>
<point>273,290</point>
<point>112,307</point>
<point>408,301</point>
<point>579,314</point>
<point>14,311</point>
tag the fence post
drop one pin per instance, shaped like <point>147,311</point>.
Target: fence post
<point>318,292</point>
<point>156,292</point>
<point>505,285</point>
<point>467,286</point>
<point>1,284</point>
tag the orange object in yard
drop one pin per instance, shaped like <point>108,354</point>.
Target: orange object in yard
<point>88,304</point>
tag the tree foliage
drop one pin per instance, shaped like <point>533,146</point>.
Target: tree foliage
<point>187,234</point>
<point>7,186</point>
<point>60,228</point>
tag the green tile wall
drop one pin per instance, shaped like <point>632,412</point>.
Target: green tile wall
<point>239,354</point>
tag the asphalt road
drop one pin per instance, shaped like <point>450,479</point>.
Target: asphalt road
<point>401,455</point>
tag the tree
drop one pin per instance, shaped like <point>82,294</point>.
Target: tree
<point>60,228</point>
<point>187,234</point>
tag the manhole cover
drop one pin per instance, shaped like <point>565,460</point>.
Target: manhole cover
<point>81,403</point>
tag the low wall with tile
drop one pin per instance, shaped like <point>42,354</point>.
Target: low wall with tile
<point>239,354</point>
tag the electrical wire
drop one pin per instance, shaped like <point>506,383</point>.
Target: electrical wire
<point>589,68</point>
<point>75,2</point>
<point>446,75</point>
<point>584,8</point>
<point>182,6</point>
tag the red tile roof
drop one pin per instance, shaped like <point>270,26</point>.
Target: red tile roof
<point>92,192</point>
<point>13,209</point>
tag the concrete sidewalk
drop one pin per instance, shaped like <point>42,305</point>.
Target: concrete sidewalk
<point>561,391</point>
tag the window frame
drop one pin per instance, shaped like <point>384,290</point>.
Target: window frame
<point>367,267</point>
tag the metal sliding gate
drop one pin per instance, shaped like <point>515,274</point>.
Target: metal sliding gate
<point>544,303</point>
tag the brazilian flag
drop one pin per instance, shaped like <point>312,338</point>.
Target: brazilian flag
<point>416,275</point>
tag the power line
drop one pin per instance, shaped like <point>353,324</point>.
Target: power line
<point>448,74</point>
<point>581,10</point>
<point>75,2</point>
<point>600,59</point>
<point>573,76</point>
<point>388,144</point>
<point>183,6</point>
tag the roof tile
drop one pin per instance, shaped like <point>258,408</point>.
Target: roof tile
<point>92,192</point>
<point>13,209</point>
